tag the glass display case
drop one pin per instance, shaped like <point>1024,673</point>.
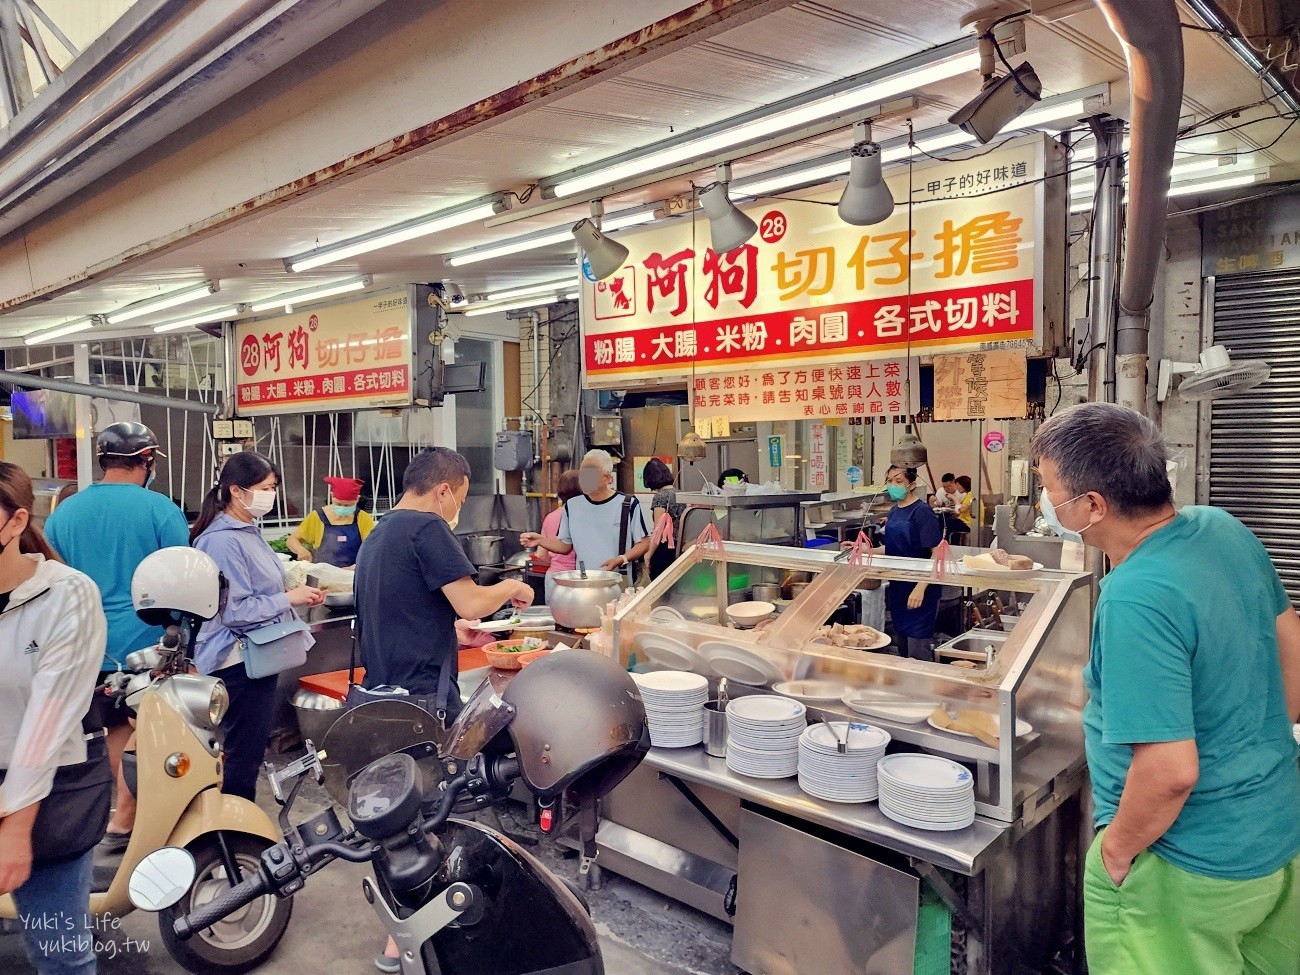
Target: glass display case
<point>1026,677</point>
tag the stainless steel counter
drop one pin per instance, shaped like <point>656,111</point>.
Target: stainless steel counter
<point>964,851</point>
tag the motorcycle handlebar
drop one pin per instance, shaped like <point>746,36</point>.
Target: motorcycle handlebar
<point>227,902</point>
<point>233,898</point>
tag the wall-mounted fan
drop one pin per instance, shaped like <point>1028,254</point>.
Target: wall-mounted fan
<point>1214,376</point>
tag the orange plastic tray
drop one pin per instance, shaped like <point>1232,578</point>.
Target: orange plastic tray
<point>335,683</point>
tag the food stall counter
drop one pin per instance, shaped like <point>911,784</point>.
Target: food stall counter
<point>689,826</point>
<point>964,851</point>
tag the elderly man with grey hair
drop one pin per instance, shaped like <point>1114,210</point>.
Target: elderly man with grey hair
<point>1193,682</point>
<point>606,528</point>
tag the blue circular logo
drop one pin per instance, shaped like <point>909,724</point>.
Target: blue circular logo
<point>854,475</point>
<point>586,269</point>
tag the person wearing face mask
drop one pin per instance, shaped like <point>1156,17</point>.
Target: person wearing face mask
<point>414,581</point>
<point>603,527</point>
<point>55,783</point>
<point>1193,682</point>
<point>333,533</point>
<point>911,531</point>
<point>143,521</point>
<point>227,531</point>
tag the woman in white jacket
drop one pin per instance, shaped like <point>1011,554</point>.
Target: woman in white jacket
<point>52,636</point>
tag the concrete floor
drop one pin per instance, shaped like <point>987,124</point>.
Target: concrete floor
<point>334,931</point>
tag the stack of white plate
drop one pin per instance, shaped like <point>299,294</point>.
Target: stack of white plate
<point>826,773</point>
<point>674,707</point>
<point>763,736</point>
<point>926,791</point>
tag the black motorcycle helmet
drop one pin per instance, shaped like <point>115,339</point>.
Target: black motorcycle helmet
<point>127,440</point>
<point>579,724</point>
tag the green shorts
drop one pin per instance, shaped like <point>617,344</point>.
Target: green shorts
<point>1164,920</point>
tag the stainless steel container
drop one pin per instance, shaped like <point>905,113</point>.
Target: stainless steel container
<point>484,549</point>
<point>316,714</point>
<point>580,597</point>
<point>715,729</point>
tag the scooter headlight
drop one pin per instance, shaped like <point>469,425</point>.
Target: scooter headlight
<point>219,703</point>
<point>201,700</point>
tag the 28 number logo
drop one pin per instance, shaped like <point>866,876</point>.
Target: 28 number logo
<point>250,355</point>
<point>772,227</point>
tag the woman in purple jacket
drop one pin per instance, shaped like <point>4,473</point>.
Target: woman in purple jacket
<point>227,531</point>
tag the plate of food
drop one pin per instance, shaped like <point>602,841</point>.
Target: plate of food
<point>999,562</point>
<point>854,636</point>
<point>499,626</point>
<point>811,690</point>
<point>992,721</point>
<point>889,707</point>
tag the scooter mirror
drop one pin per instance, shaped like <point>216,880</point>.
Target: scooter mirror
<point>161,879</point>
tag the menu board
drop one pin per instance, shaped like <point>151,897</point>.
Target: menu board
<point>980,385</point>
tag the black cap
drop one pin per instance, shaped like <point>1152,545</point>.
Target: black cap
<point>127,440</point>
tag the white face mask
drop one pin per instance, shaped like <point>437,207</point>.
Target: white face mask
<point>263,501</point>
<point>1051,517</point>
<point>958,496</point>
<point>454,520</point>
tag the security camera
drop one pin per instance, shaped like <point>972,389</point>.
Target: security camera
<point>1002,100</point>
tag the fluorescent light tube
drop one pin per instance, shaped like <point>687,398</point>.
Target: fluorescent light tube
<point>141,308</point>
<point>531,289</point>
<point>59,331</point>
<point>1204,186</point>
<point>559,235</point>
<point>400,233</point>
<point>216,315</point>
<point>484,309</point>
<point>895,151</point>
<point>1180,168</point>
<point>312,294</point>
<point>742,133</point>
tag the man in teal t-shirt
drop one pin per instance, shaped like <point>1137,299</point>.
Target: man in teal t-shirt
<point>106,531</point>
<point>1193,682</point>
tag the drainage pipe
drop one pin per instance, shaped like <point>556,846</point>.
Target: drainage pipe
<point>1151,36</point>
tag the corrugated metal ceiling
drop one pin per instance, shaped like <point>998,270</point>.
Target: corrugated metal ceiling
<point>785,53</point>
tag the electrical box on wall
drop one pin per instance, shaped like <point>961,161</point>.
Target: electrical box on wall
<point>605,431</point>
<point>513,451</point>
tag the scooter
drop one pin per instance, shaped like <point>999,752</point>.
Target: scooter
<point>457,897</point>
<point>176,778</point>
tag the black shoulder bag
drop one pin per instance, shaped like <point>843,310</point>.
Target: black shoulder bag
<point>74,816</point>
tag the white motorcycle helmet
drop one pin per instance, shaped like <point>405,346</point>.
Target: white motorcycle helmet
<point>176,582</point>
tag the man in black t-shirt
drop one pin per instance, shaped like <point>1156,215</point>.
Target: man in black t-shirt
<point>413,581</point>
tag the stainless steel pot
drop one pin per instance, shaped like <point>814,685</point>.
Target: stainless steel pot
<point>580,597</point>
<point>484,549</point>
<point>766,592</point>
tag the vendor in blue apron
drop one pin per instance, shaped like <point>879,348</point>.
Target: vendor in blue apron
<point>333,533</point>
<point>911,531</point>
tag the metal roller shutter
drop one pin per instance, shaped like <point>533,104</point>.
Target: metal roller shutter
<point>1255,435</point>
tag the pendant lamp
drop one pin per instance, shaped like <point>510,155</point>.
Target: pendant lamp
<point>909,452</point>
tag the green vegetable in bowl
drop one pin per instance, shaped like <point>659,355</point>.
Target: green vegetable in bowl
<point>526,646</point>
<point>281,545</point>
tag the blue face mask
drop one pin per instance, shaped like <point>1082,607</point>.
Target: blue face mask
<point>1050,516</point>
<point>896,491</point>
<point>344,510</point>
<point>149,478</point>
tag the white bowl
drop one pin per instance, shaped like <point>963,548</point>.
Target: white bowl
<point>750,613</point>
